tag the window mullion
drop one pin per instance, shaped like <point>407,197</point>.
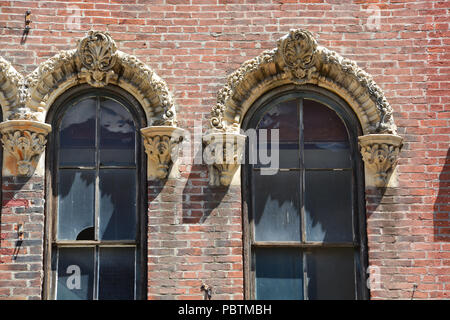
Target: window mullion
<point>302,199</point>
<point>97,198</point>
<point>97,191</point>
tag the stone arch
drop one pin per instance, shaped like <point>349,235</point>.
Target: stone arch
<point>11,82</point>
<point>299,59</point>
<point>95,61</point>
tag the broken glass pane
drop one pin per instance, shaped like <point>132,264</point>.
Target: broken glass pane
<point>76,204</point>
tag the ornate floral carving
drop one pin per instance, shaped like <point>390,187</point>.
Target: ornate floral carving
<point>24,141</point>
<point>97,53</point>
<point>95,61</point>
<point>380,154</point>
<point>299,59</point>
<point>298,49</point>
<point>161,146</point>
<point>223,153</point>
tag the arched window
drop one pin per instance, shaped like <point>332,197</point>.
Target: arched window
<point>304,225</point>
<point>94,203</point>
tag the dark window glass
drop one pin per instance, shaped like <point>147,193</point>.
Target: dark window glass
<point>117,134</point>
<point>331,274</point>
<point>328,206</point>
<point>325,137</point>
<point>76,202</point>
<point>97,186</point>
<point>116,273</point>
<point>77,134</point>
<point>279,274</point>
<point>75,277</point>
<point>303,243</point>
<point>284,118</point>
<point>117,204</point>
<point>277,206</point>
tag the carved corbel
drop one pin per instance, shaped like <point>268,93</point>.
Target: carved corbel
<point>223,153</point>
<point>24,142</point>
<point>380,154</point>
<point>161,146</point>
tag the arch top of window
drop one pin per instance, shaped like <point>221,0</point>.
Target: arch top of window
<point>96,62</point>
<point>298,59</point>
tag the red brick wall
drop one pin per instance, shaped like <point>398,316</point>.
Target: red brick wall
<point>195,231</point>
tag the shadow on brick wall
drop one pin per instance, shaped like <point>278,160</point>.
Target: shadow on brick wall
<point>199,198</point>
<point>441,214</point>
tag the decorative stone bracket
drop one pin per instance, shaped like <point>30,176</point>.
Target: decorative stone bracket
<point>223,153</point>
<point>161,145</point>
<point>24,142</point>
<point>380,154</point>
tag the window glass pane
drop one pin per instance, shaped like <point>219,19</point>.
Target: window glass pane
<point>276,206</point>
<point>328,205</point>
<point>75,277</point>
<point>76,204</point>
<point>116,273</point>
<point>331,274</point>
<point>117,134</point>
<point>279,274</point>
<point>285,118</point>
<point>117,204</point>
<point>325,137</point>
<point>77,134</point>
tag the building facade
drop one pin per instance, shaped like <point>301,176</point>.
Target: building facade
<point>175,149</point>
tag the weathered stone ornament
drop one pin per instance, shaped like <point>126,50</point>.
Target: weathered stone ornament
<point>161,146</point>
<point>380,154</point>
<point>299,60</point>
<point>95,61</point>
<point>24,142</point>
<point>223,153</point>
<point>298,49</point>
<point>97,53</point>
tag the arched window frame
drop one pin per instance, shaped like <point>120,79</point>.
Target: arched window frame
<point>54,117</point>
<point>298,59</point>
<point>359,218</point>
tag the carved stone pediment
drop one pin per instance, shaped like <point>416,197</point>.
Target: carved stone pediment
<point>97,53</point>
<point>380,154</point>
<point>298,59</point>
<point>161,146</point>
<point>298,50</point>
<point>223,153</point>
<point>24,142</point>
<point>95,61</point>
